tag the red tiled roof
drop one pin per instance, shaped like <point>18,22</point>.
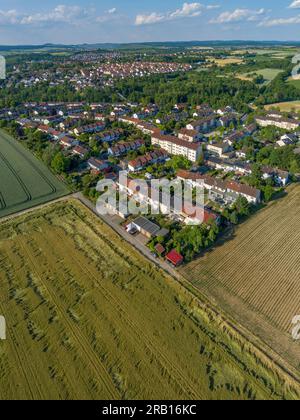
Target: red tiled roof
<point>175,258</point>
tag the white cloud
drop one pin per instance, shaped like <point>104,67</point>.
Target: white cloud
<point>149,19</point>
<point>295,5</point>
<point>60,14</point>
<point>239,15</point>
<point>213,6</point>
<point>9,17</point>
<point>188,10</point>
<point>109,16</point>
<point>268,23</point>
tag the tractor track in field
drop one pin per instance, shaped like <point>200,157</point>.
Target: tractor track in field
<point>179,376</point>
<point>18,178</point>
<point>2,202</point>
<point>33,165</point>
<point>20,360</point>
<point>76,332</point>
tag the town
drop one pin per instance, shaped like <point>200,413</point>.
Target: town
<point>220,150</point>
<point>149,203</point>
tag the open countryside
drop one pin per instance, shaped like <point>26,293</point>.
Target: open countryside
<point>255,274</point>
<point>86,312</point>
<point>285,106</point>
<point>268,74</point>
<point>24,181</point>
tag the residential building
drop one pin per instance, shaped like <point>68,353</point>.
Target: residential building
<point>175,146</point>
<point>151,158</point>
<point>283,123</point>
<point>89,129</point>
<point>203,125</point>
<point>97,164</point>
<point>280,177</point>
<point>287,140</point>
<point>124,148</point>
<point>80,151</point>
<point>219,148</point>
<point>68,142</point>
<point>145,127</point>
<point>191,136</point>
<point>218,186</point>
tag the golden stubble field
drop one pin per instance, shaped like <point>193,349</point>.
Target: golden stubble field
<point>89,318</point>
<point>255,275</point>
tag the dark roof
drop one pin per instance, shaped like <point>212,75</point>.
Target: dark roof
<point>147,225</point>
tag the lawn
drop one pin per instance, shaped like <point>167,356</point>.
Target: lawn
<point>255,274</point>
<point>24,181</point>
<point>89,318</point>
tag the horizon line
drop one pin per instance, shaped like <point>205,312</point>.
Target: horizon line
<point>150,42</point>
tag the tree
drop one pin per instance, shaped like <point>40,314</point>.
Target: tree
<point>86,181</point>
<point>242,206</point>
<point>59,163</point>
<point>234,218</point>
<point>268,193</point>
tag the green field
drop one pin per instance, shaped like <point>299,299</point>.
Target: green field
<point>295,83</point>
<point>24,181</point>
<point>268,74</point>
<point>88,317</point>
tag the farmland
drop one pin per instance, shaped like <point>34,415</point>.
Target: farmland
<point>24,181</point>
<point>268,74</point>
<point>89,317</point>
<point>222,62</point>
<point>285,106</point>
<point>294,82</point>
<point>255,274</point>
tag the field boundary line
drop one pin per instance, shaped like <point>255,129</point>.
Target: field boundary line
<point>35,207</point>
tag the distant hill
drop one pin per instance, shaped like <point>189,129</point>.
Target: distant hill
<point>175,44</point>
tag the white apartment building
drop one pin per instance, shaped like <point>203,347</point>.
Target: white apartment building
<point>286,124</point>
<point>175,146</point>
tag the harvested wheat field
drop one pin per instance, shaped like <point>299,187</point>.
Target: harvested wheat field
<point>223,62</point>
<point>88,317</point>
<point>286,106</point>
<point>255,275</point>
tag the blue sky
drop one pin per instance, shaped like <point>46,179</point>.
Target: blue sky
<point>82,21</point>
